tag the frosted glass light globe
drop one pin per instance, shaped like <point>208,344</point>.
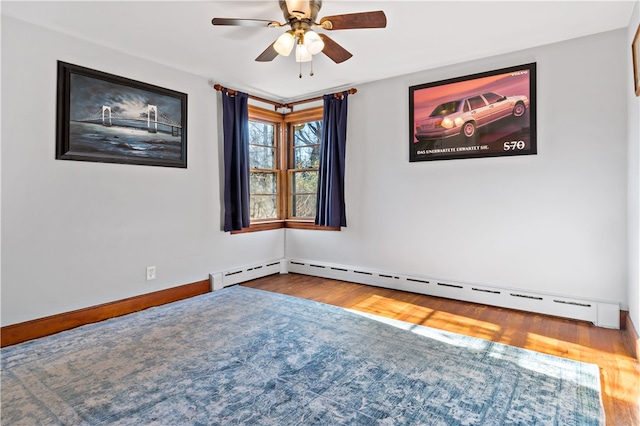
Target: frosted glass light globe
<point>313,42</point>
<point>284,44</point>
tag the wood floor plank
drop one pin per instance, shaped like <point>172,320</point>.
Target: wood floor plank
<point>580,341</point>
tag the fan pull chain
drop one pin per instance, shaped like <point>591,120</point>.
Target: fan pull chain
<point>310,73</point>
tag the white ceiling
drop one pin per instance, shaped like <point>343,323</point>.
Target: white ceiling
<point>420,35</point>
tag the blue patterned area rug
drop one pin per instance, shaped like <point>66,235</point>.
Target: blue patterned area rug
<point>242,356</point>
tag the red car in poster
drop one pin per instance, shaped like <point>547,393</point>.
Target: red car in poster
<point>464,116</point>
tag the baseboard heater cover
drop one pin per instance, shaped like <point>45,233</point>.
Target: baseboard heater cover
<point>601,313</point>
<point>219,280</point>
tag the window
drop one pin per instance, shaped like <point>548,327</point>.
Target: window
<point>284,160</point>
<point>264,130</point>
<point>305,133</point>
<point>445,109</point>
<point>492,98</point>
<point>476,102</point>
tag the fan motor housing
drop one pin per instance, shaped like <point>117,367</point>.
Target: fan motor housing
<point>314,8</point>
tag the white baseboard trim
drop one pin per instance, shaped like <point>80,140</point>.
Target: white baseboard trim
<point>601,313</point>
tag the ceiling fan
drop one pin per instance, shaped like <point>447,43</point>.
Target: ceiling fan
<point>301,16</point>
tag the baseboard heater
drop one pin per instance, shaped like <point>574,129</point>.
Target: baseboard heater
<point>219,280</point>
<point>601,313</point>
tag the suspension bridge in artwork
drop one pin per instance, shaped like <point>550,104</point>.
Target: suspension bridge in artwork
<point>154,119</point>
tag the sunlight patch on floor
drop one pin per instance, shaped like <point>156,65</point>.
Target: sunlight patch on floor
<point>415,314</point>
<point>431,333</point>
<point>392,308</point>
<point>551,366</point>
<point>453,322</point>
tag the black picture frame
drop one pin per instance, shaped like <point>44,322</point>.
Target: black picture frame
<point>635,58</point>
<point>106,118</point>
<point>454,119</point>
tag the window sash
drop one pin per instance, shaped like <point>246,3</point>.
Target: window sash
<point>302,200</point>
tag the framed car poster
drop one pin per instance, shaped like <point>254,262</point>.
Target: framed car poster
<point>489,114</point>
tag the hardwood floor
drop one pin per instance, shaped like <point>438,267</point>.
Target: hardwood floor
<point>619,371</point>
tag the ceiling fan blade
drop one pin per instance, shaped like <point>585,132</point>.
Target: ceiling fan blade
<point>348,21</point>
<point>333,50</point>
<point>268,55</point>
<point>242,22</point>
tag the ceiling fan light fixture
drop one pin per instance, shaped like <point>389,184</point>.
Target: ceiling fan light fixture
<point>302,54</point>
<point>313,42</point>
<point>301,17</point>
<point>284,44</point>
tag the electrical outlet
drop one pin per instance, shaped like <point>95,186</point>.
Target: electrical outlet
<point>151,273</point>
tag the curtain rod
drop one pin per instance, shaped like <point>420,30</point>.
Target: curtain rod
<point>232,92</point>
<point>337,95</point>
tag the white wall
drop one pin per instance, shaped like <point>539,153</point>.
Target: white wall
<point>633,114</point>
<point>555,222</point>
<point>77,234</point>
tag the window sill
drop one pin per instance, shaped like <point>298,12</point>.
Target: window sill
<point>303,224</point>
<point>291,224</point>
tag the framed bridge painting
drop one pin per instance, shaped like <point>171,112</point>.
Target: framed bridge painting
<point>490,114</point>
<point>110,119</point>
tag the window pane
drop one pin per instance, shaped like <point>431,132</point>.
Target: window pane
<point>491,97</point>
<point>263,206</point>
<point>263,201</point>
<point>261,157</point>
<point>261,133</point>
<point>303,194</point>
<point>304,182</point>
<point>445,109</point>
<point>307,133</point>
<point>306,157</point>
<point>303,206</point>
<point>476,102</point>
<point>262,183</point>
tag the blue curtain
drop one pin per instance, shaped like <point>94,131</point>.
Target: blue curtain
<point>235,121</point>
<point>330,207</point>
